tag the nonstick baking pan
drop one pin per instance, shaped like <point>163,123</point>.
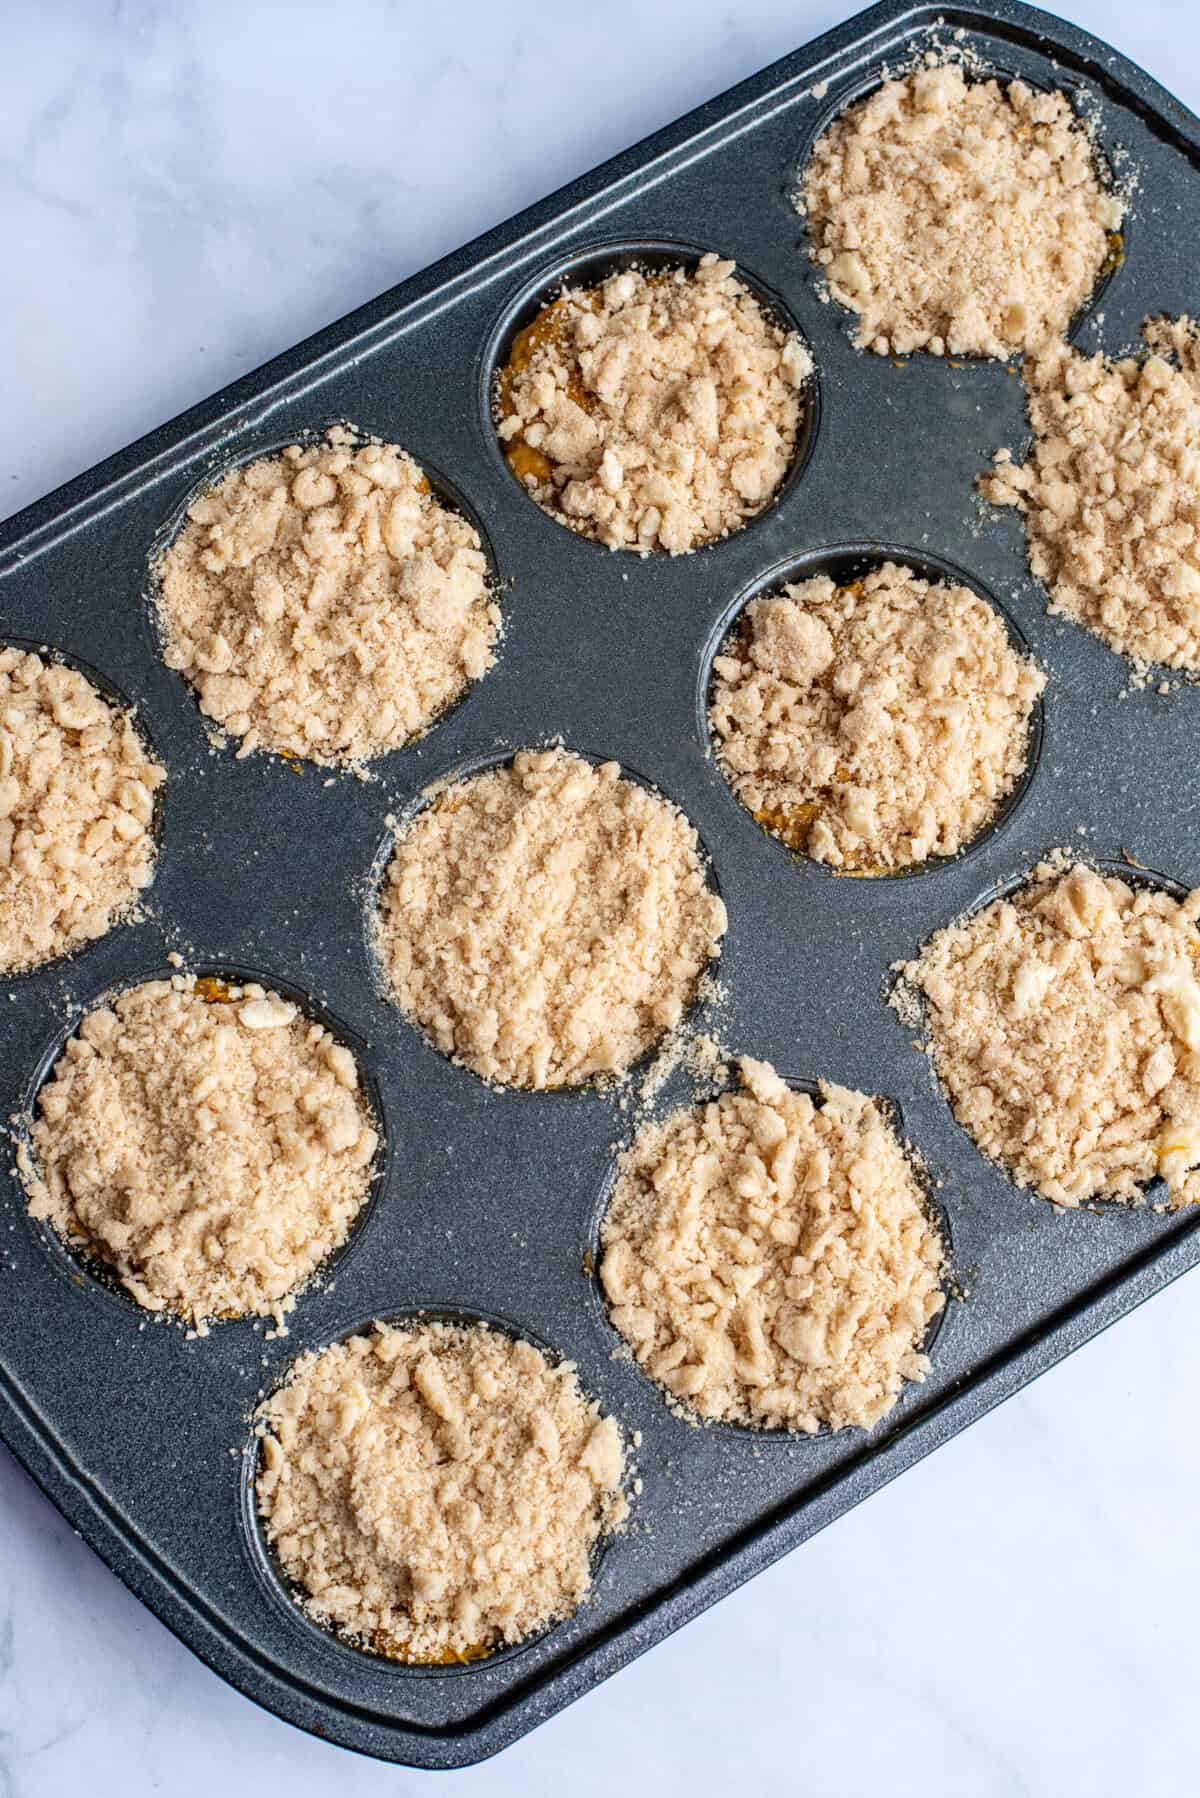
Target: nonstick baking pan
<point>487,1201</point>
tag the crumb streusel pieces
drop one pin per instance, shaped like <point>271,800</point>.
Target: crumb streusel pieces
<point>656,411</point>
<point>769,1259</point>
<point>325,603</point>
<point>548,921</point>
<point>437,1490</point>
<point>876,724</point>
<point>76,810</point>
<point>1110,495</point>
<point>1065,1025</point>
<point>212,1148</point>
<point>958,216</point>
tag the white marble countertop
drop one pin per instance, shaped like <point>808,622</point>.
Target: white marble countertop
<point>185,191</point>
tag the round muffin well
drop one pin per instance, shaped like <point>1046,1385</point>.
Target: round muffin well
<point>546,922</point>
<point>660,408</point>
<point>769,1258</point>
<point>78,792</point>
<point>436,1490</point>
<point>878,721</point>
<point>325,602</point>
<point>207,1142</point>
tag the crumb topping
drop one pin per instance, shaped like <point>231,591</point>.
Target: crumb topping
<point>437,1491</point>
<point>76,811</point>
<point>547,922</point>
<point>1111,492</point>
<point>210,1143</point>
<point>770,1261</point>
<point>656,411</point>
<point>325,604</point>
<point>958,216</point>
<point>873,725</point>
<point>1065,1025</point>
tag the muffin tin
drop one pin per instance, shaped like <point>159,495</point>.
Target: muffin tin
<point>489,1200</point>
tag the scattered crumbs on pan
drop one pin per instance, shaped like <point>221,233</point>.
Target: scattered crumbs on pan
<point>698,1053</point>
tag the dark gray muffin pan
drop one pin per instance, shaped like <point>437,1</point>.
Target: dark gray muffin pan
<point>487,1202</point>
